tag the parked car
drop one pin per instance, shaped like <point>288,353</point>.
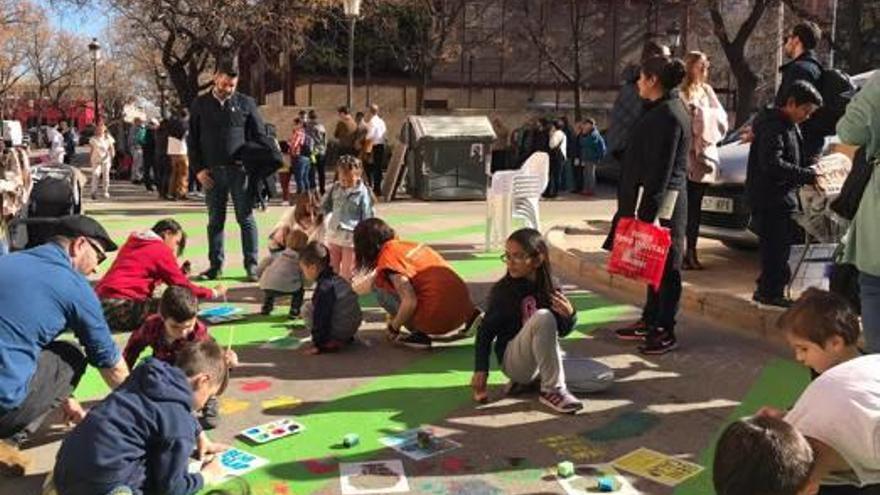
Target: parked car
<point>726,215</point>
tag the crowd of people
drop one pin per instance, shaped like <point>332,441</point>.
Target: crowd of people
<point>666,124</point>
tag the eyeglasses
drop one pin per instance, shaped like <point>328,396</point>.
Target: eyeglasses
<point>515,257</point>
<point>98,251</point>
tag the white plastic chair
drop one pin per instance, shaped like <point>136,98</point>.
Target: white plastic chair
<point>515,194</point>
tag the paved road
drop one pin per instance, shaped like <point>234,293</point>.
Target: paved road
<point>675,403</point>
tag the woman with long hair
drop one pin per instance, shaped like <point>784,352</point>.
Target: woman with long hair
<point>414,284</point>
<point>708,127</point>
<point>656,163</point>
<point>146,259</point>
<point>526,317</point>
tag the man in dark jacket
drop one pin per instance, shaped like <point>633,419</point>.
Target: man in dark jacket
<point>804,66</point>
<point>221,122</point>
<point>777,168</point>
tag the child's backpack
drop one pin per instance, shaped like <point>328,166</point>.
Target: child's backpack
<point>837,89</point>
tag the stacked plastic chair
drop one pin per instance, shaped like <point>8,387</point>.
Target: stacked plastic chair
<point>515,194</point>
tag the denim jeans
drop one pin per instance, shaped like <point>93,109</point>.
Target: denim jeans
<point>301,174</point>
<point>869,293</point>
<point>390,302</point>
<point>230,181</point>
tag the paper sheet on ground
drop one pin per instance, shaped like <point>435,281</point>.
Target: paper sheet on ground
<point>407,444</point>
<point>363,478</point>
<point>656,466</point>
<point>221,314</point>
<point>235,463</point>
<point>587,476</point>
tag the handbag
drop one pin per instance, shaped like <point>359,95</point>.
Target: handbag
<point>846,204</point>
<point>639,251</point>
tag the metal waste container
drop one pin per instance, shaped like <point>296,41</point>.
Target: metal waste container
<point>447,158</point>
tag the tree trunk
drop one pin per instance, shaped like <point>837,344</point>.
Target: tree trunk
<point>855,60</point>
<point>576,43</point>
<point>420,93</point>
<point>746,84</point>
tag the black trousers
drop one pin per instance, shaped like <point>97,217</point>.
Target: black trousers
<point>774,228</point>
<point>59,368</point>
<point>556,162</point>
<point>148,171</point>
<point>375,168</point>
<point>696,191</point>
<point>318,173</point>
<point>661,306</point>
<point>296,298</point>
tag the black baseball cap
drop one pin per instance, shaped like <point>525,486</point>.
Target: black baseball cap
<point>78,226</point>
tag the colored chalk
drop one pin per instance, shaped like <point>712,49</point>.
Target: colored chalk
<point>606,484</point>
<point>565,469</point>
<point>351,440</point>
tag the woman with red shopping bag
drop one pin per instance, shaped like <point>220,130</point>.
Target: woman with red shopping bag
<point>656,163</point>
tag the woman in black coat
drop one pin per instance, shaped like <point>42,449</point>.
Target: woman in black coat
<point>656,163</point>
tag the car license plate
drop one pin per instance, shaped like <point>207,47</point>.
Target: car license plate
<point>718,205</point>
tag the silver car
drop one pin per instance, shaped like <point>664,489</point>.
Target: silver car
<point>726,215</point>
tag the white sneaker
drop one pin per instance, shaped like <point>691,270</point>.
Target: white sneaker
<point>106,195</point>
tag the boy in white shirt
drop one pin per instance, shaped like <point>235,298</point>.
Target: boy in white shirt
<point>838,415</point>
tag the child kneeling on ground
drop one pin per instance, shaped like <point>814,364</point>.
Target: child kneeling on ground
<point>280,274</point>
<point>334,314</point>
<point>140,438</point>
<point>838,415</point>
<point>168,332</point>
<point>526,317</point>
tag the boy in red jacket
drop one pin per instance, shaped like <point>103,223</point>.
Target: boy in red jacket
<point>145,260</point>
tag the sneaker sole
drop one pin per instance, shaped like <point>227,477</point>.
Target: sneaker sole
<point>559,410</point>
<point>413,345</point>
<point>657,352</point>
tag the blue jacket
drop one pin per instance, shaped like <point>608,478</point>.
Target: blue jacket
<point>348,206</point>
<point>591,147</point>
<point>41,295</point>
<point>141,436</point>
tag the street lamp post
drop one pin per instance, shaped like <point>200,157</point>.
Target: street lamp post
<point>352,10</point>
<point>162,77</point>
<point>95,50</point>
<point>674,36</point>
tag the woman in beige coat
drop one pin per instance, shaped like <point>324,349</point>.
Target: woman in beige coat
<point>709,125</point>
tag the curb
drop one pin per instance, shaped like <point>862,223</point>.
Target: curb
<point>721,308</point>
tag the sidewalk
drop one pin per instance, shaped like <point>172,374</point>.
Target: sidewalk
<point>720,294</point>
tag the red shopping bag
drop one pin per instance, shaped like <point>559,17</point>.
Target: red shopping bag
<point>639,251</point>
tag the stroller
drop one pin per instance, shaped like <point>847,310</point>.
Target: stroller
<point>57,192</point>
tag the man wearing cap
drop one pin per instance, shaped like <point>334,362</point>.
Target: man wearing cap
<point>45,292</point>
<point>221,122</point>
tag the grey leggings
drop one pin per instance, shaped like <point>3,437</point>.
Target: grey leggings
<point>535,352</point>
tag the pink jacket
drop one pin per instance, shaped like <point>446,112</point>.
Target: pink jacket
<point>709,125</point>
